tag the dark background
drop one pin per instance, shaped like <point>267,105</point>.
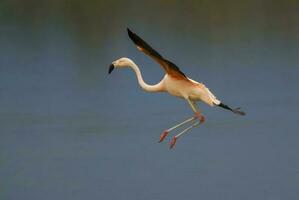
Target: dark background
<point>70,131</point>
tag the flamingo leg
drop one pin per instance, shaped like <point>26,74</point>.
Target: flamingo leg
<point>195,109</point>
<point>174,139</point>
<point>166,132</point>
<point>187,129</point>
<point>197,116</point>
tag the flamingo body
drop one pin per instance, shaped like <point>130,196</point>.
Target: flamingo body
<point>189,89</point>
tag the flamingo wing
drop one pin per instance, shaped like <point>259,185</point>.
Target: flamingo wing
<point>168,66</point>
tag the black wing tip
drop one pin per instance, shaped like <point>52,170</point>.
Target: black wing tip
<point>131,34</point>
<point>236,110</point>
<point>128,29</point>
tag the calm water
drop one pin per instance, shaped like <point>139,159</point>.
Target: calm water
<point>70,131</point>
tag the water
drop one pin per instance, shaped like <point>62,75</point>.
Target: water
<point>70,131</point>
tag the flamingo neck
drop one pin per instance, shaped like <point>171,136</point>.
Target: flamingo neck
<point>159,87</point>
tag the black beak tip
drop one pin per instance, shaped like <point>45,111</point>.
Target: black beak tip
<point>111,67</point>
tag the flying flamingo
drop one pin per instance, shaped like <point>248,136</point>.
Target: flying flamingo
<point>176,83</point>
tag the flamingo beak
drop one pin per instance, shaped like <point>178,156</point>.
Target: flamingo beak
<point>111,67</point>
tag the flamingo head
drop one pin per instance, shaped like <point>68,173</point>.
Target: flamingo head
<point>120,63</point>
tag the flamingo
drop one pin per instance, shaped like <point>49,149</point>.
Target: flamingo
<point>176,83</point>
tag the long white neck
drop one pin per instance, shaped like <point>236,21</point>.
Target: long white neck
<point>159,87</point>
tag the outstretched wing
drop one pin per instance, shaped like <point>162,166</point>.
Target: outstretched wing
<point>168,66</point>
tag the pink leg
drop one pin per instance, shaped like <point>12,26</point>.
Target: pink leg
<point>200,117</point>
<point>172,142</point>
<point>196,111</point>
<point>166,132</point>
<point>174,139</point>
<point>163,135</point>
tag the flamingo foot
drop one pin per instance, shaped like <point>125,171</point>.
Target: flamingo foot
<point>200,117</point>
<point>163,136</point>
<point>172,142</point>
